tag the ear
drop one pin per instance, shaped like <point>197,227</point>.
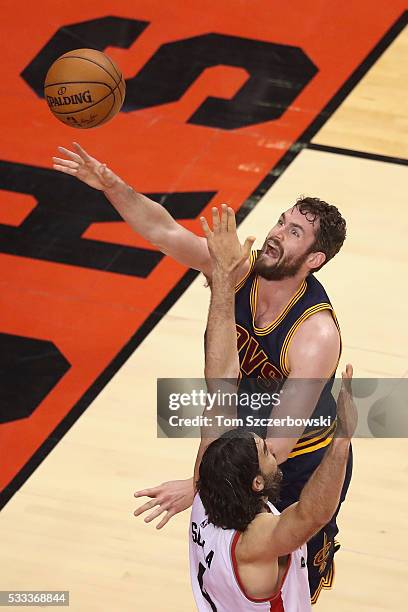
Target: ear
<point>315,260</point>
<point>258,484</point>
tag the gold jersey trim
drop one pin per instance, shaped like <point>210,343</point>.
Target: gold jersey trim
<point>253,300</point>
<point>304,441</point>
<point>310,449</point>
<point>284,362</point>
<point>252,260</point>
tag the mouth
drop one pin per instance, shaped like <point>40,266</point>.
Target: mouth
<point>273,251</point>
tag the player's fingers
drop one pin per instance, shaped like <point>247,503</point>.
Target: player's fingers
<point>165,519</point>
<point>204,225</point>
<point>232,225</point>
<point>215,219</point>
<point>70,154</point>
<point>65,169</point>
<point>65,162</point>
<point>347,375</point>
<point>346,382</point>
<point>147,506</point>
<point>248,246</point>
<point>151,492</point>
<point>81,152</point>
<point>224,217</point>
<point>155,514</point>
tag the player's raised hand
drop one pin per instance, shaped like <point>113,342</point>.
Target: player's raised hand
<point>346,408</point>
<point>87,169</point>
<point>224,246</point>
<point>171,497</point>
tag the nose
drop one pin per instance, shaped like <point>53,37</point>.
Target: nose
<point>278,234</point>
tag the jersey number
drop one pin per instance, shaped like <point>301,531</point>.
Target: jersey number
<point>201,570</point>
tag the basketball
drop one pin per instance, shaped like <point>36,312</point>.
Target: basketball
<point>84,88</point>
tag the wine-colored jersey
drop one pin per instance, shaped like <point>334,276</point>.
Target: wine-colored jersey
<point>263,356</point>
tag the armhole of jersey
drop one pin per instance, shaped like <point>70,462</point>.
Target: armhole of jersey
<point>341,342</point>
<point>234,562</point>
<point>284,362</point>
<point>252,259</point>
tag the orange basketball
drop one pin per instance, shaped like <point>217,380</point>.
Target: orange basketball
<point>84,88</point>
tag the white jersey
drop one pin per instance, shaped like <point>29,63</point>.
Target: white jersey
<point>214,572</point>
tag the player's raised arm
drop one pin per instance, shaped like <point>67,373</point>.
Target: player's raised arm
<point>221,353</point>
<point>227,256</point>
<point>321,494</point>
<point>148,218</point>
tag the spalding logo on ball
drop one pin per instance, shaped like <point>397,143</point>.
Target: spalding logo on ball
<point>84,88</point>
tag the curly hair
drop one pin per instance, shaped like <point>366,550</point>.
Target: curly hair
<point>331,232</point>
<point>227,470</point>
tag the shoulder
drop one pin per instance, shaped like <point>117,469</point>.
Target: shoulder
<point>255,542</point>
<point>315,348</point>
<point>318,327</point>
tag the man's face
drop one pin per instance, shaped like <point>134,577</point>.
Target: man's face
<point>270,472</point>
<point>287,246</point>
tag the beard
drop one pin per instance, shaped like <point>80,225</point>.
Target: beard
<point>278,267</point>
<point>272,485</point>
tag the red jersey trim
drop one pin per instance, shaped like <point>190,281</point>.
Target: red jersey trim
<point>275,598</point>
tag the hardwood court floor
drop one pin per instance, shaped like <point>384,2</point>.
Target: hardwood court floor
<point>71,524</point>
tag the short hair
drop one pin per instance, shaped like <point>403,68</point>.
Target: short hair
<point>227,470</point>
<point>331,233</point>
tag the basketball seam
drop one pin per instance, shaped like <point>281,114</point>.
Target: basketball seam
<point>80,110</point>
<point>120,77</point>
<point>87,60</point>
<point>72,82</point>
<point>113,66</point>
<point>107,114</point>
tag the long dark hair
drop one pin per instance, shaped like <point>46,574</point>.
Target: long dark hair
<point>228,468</point>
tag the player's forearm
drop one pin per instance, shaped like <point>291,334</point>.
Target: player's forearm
<point>317,504</point>
<point>221,354</point>
<point>321,495</point>
<point>146,217</point>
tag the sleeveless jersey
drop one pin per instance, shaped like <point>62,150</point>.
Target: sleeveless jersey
<point>215,578</point>
<point>263,352</point>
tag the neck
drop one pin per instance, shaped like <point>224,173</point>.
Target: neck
<point>285,286</point>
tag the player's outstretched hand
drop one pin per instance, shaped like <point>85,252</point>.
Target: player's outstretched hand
<point>227,253</point>
<point>85,168</point>
<point>346,408</point>
<point>171,497</point>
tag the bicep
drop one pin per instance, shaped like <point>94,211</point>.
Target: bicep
<point>292,530</point>
<point>313,355</point>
